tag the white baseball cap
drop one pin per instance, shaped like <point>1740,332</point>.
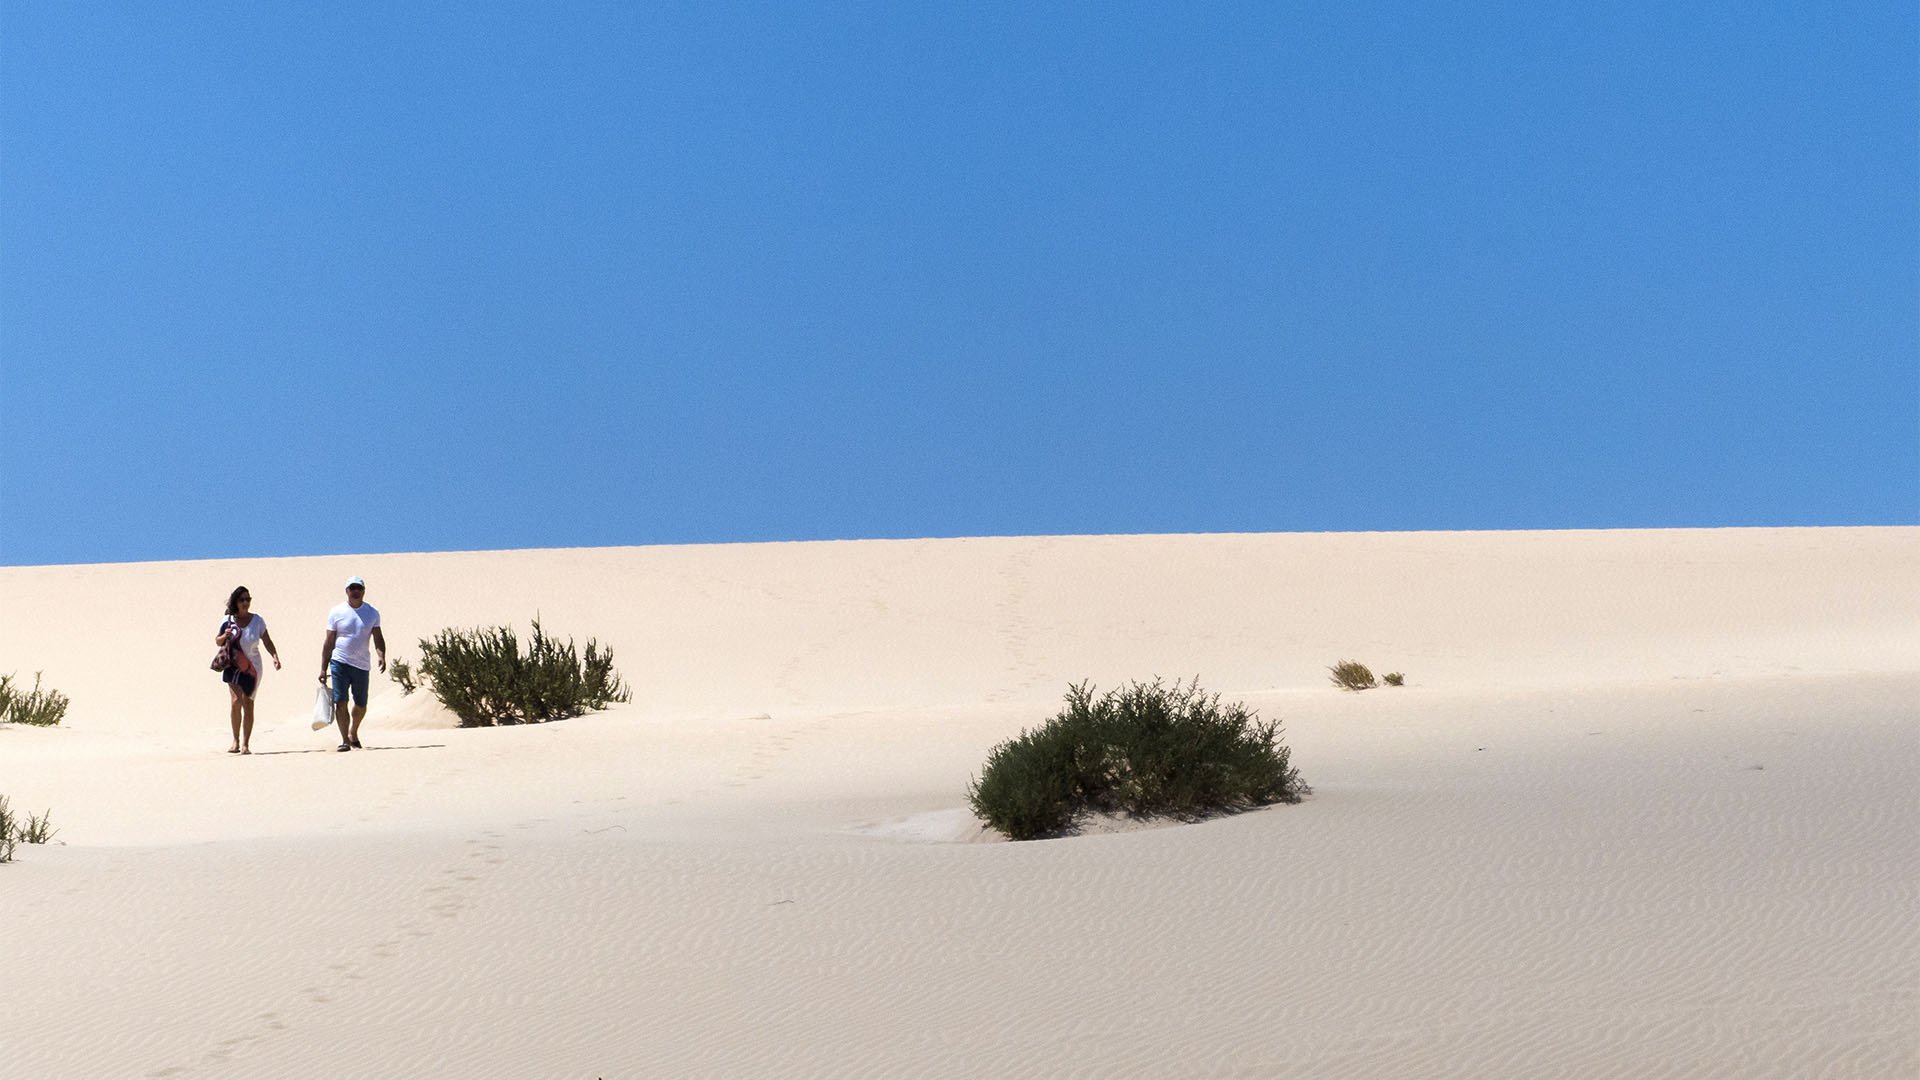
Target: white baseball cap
<point>353,581</point>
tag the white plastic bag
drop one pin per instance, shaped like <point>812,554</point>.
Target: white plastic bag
<point>322,707</point>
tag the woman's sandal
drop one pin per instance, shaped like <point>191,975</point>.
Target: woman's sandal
<point>344,747</point>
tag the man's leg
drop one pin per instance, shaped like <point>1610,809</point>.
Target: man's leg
<point>361,681</point>
<point>338,677</point>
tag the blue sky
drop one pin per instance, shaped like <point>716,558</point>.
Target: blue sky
<point>338,277</point>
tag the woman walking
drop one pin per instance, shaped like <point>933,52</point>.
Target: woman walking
<point>248,631</point>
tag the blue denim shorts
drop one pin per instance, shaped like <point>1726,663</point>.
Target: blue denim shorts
<point>347,677</point>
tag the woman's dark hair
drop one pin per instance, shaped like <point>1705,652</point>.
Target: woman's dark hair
<point>233,600</point>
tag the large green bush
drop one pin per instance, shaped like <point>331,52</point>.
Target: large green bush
<point>42,708</point>
<point>1143,750</point>
<point>485,679</point>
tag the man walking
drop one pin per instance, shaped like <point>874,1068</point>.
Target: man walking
<point>346,658</point>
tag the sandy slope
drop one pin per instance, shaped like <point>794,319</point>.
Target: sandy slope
<point>1647,807</point>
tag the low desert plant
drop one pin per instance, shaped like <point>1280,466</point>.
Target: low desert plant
<point>485,679</point>
<point>1143,750</point>
<point>402,672</point>
<point>1394,678</point>
<point>1353,675</point>
<point>35,829</point>
<point>1031,786</point>
<point>39,707</point>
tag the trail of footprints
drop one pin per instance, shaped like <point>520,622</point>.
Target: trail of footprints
<point>766,750</point>
<point>387,807</point>
<point>1015,627</point>
<point>444,900</point>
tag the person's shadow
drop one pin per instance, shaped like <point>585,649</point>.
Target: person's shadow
<point>331,750</point>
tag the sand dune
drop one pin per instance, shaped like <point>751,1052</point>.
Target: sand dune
<point>1646,808</point>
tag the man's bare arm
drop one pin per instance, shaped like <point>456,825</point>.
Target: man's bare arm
<point>326,653</point>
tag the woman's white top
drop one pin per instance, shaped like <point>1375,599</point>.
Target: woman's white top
<point>250,636</point>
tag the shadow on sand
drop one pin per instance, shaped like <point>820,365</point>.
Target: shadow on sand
<point>334,750</point>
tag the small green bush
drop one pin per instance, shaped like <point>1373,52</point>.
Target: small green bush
<point>484,678</point>
<point>35,829</point>
<point>402,672</point>
<point>1353,675</point>
<point>41,708</point>
<point>1143,750</point>
<point>1394,678</point>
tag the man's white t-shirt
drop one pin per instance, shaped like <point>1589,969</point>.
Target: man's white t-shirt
<point>354,626</point>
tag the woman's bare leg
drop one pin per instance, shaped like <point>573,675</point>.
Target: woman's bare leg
<point>246,729</point>
<point>233,711</point>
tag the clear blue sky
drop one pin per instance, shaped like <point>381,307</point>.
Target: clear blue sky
<point>338,277</point>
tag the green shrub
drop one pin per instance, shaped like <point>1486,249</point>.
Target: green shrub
<point>402,672</point>
<point>35,829</point>
<point>1031,786</point>
<point>1353,675</point>
<point>1144,750</point>
<point>41,708</point>
<point>13,831</point>
<point>1394,678</point>
<point>484,678</point>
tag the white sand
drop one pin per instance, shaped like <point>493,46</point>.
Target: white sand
<point>1649,806</point>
